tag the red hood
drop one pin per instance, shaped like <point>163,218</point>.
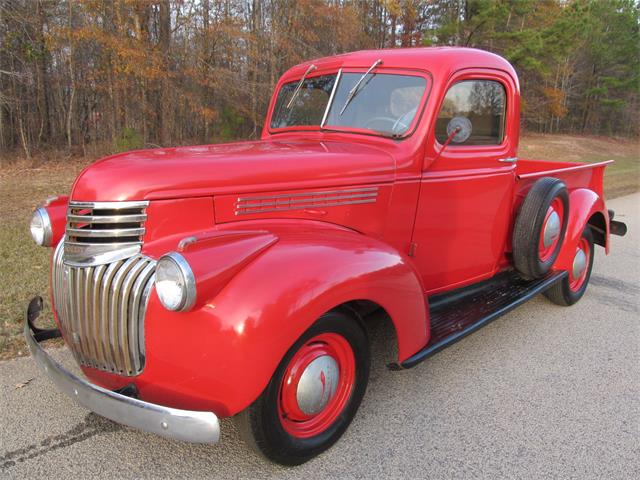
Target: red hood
<point>231,168</point>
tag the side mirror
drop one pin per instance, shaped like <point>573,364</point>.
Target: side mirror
<point>463,126</point>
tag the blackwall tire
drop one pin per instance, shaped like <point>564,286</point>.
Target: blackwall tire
<point>270,426</point>
<point>540,228</point>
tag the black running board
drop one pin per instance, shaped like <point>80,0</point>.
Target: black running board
<point>455,315</point>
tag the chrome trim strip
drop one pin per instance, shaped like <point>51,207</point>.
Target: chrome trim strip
<point>301,200</point>
<point>99,253</point>
<point>333,92</point>
<point>109,205</point>
<point>302,207</point>
<point>136,315</point>
<point>96,244</point>
<point>144,301</point>
<point>285,201</point>
<point>173,423</point>
<point>308,194</point>
<point>133,218</point>
<point>106,233</point>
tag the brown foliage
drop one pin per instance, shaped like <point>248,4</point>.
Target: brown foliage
<point>82,75</point>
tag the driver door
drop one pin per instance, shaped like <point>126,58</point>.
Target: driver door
<point>466,192</point>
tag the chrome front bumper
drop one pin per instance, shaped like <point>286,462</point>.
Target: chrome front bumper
<point>185,425</point>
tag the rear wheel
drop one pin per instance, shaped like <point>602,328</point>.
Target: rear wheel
<point>572,287</point>
<point>313,395</point>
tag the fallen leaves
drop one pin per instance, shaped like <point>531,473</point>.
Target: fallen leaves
<point>23,384</point>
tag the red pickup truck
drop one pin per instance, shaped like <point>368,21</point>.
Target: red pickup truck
<point>236,280</point>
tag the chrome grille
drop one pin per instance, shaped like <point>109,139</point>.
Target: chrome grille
<point>103,232</point>
<point>101,310</point>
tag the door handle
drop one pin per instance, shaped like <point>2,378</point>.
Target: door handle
<point>508,160</point>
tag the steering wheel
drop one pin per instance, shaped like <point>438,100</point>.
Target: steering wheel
<point>368,123</point>
<point>398,125</point>
<point>404,121</point>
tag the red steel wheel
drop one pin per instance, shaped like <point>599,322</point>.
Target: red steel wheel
<point>581,260</point>
<point>314,393</point>
<point>572,287</point>
<point>551,228</point>
<point>317,385</point>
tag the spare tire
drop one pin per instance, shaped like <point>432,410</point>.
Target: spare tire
<point>540,228</point>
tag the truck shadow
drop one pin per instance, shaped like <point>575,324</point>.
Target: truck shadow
<point>91,426</point>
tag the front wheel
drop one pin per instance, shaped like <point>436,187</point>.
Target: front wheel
<point>313,395</point>
<point>572,287</point>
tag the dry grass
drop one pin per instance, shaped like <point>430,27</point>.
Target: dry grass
<point>24,267</point>
<point>621,178</point>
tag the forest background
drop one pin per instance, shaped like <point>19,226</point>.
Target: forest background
<point>92,77</point>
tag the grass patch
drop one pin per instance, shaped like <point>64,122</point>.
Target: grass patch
<point>24,267</point>
<point>621,178</point>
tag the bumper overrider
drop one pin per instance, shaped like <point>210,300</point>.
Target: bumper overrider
<point>185,425</point>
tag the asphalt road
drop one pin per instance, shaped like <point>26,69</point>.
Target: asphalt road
<point>545,391</point>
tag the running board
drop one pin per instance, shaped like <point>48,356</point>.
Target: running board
<point>456,314</point>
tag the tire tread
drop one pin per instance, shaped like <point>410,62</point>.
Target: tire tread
<point>530,219</point>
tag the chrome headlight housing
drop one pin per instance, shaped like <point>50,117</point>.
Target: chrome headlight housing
<point>175,283</point>
<point>40,226</point>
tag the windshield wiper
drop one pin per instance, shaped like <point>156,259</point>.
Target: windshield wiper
<point>295,92</point>
<point>354,90</point>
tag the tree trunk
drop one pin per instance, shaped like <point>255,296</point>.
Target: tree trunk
<point>165,45</point>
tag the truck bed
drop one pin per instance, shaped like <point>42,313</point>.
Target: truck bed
<point>574,174</point>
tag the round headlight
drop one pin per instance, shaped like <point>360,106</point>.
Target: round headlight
<point>40,227</point>
<point>175,283</point>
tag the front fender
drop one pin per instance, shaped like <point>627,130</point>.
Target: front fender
<point>583,204</point>
<point>221,355</point>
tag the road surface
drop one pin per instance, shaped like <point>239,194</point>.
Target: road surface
<point>544,391</point>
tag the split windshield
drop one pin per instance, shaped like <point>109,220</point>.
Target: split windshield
<point>384,103</point>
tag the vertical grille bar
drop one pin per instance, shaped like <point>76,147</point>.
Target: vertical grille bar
<point>76,306</point>
<point>101,310</point>
<point>143,307</point>
<point>117,297</point>
<point>123,324</point>
<point>95,315</point>
<point>86,316</point>
<point>59,290</point>
<point>137,305</point>
<point>105,314</point>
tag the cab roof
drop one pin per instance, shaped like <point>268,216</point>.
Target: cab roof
<point>437,60</point>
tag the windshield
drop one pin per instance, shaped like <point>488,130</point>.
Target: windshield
<point>384,103</point>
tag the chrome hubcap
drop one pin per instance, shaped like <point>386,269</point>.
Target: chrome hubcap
<point>551,229</point>
<point>579,263</point>
<point>317,385</point>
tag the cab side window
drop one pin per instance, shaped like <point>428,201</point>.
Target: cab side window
<point>476,108</point>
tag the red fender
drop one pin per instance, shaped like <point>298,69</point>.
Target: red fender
<point>56,207</point>
<point>221,355</point>
<point>583,204</point>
